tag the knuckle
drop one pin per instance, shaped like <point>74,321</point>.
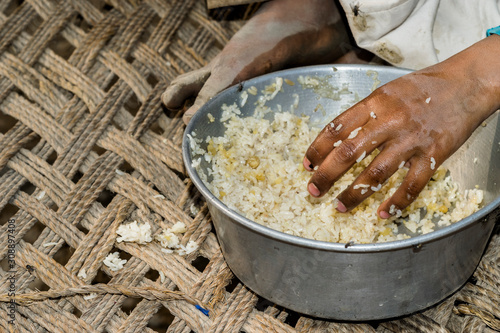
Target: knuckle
<point>413,189</point>
<point>346,151</point>
<point>331,128</point>
<point>377,173</point>
<point>313,154</point>
<point>351,198</point>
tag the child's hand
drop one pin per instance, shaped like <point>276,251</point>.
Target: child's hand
<point>419,120</point>
<point>283,33</point>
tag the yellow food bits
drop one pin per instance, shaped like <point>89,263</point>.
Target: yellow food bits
<point>253,162</point>
<point>386,232</point>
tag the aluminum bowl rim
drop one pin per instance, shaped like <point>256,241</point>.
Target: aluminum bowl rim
<point>306,242</point>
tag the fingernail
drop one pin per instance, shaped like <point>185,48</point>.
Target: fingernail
<point>383,214</point>
<point>341,207</point>
<point>313,190</point>
<point>307,164</point>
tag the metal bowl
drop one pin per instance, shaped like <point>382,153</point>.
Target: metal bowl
<point>362,281</point>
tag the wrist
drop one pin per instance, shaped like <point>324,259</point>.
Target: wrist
<point>474,75</point>
<point>484,57</point>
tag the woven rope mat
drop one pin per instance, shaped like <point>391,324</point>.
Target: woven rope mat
<point>85,145</point>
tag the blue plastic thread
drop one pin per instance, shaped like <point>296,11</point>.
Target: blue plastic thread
<point>495,30</point>
<point>204,311</point>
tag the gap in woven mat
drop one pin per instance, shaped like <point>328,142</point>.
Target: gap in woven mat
<point>98,150</point>
<point>160,321</point>
<point>151,27</point>
<point>6,122</point>
<point>76,177</point>
<point>80,227</point>
<point>37,284</point>
<point>111,83</point>
<point>77,312</point>
<point>32,235</point>
<point>52,157</point>
<point>200,263</point>
<point>129,304</point>
<point>63,255</point>
<point>33,26</point>
<point>152,274</point>
<point>11,7</point>
<point>28,188</point>
<point>233,13</point>
<point>152,79</point>
<point>126,167</point>
<point>232,284</point>
<point>101,277</point>
<point>132,105</point>
<point>105,197</point>
<point>7,213</point>
<point>61,47</point>
<point>156,128</point>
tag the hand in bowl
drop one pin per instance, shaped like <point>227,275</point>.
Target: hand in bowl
<point>418,120</point>
<point>283,33</point>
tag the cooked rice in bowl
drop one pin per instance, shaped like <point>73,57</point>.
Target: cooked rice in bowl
<point>256,169</point>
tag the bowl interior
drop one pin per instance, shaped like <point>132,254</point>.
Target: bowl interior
<point>475,164</point>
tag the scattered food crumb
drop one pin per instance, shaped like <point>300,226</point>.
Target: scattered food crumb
<point>90,296</point>
<point>428,100</point>
<point>194,210</point>
<point>210,117</point>
<point>433,163</point>
<point>82,274</point>
<point>178,228</point>
<point>373,115</point>
<point>134,232</point>
<point>114,262</point>
<point>167,239</point>
<point>336,144</point>
<point>190,247</point>
<point>40,195</point>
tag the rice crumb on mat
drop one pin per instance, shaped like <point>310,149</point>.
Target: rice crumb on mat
<point>274,192</point>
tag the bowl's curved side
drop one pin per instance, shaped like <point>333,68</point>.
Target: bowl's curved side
<point>351,286</point>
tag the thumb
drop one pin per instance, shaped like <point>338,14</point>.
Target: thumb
<point>212,87</point>
<point>183,87</point>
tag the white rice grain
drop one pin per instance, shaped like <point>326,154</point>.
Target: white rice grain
<point>354,133</point>
<point>361,157</point>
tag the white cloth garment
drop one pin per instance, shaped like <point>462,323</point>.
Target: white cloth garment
<point>419,33</point>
